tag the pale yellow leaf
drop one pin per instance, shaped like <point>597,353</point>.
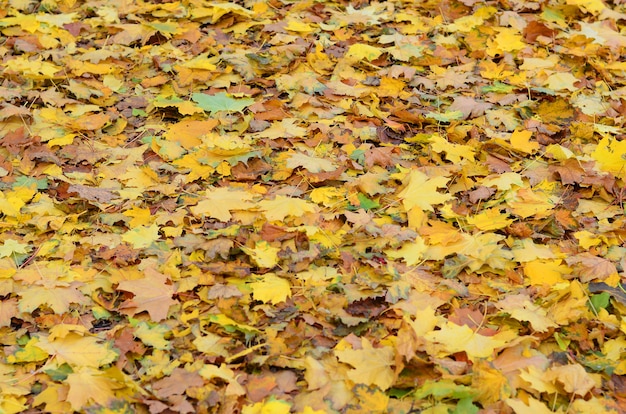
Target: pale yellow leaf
<point>263,254</point>
<point>422,191</point>
<point>87,385</point>
<point>220,202</point>
<point>534,406</point>
<point>281,207</point>
<point>271,289</point>
<point>372,366</point>
<point>77,350</point>
<point>312,164</point>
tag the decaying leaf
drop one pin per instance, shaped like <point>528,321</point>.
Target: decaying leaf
<point>312,207</point>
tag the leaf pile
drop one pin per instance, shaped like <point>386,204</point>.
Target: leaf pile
<point>312,206</point>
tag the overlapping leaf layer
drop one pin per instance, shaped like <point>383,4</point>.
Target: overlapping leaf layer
<point>312,206</point>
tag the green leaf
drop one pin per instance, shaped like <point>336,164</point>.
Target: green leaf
<point>366,203</point>
<point>446,116</point>
<point>60,373</point>
<point>465,406</point>
<point>498,87</point>
<point>452,266</point>
<point>600,300</point>
<point>39,184</point>
<point>220,102</point>
<point>358,155</point>
<point>153,335</point>
<point>11,247</point>
<point>444,389</point>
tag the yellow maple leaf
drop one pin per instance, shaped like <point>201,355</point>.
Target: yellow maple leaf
<point>507,39</point>
<point>527,203</point>
<point>58,298</point>
<point>454,152</point>
<point>299,26</point>
<point>141,236</point>
<point>188,133</point>
<point>586,239</point>
<point>410,252</point>
<point>312,164</point>
<point>526,250</point>
<point>612,348</point>
<point>466,23</point>
<point>490,219</point>
<point>34,69</point>
<point>360,51</point>
<point>561,81</point>
<point>215,11</point>
<point>574,378</point>
<point>327,196</point>
<point>534,406</point>
<point>272,405</point>
<point>211,344</point>
<point>319,61</point>
<point>53,396</point>
<point>309,410</point>
<point>425,321</point>
<point>220,202</point>
<point>390,87</point>
<point>504,181</point>
<point>520,140</point>
<point>228,323</point>
<point>546,272</point>
<point>139,216</point>
<point>12,201</point>
<point>78,350</point>
<point>10,404</point>
<point>88,384</point>
<point>594,7</point>
<point>492,384</point>
<point>152,335</point>
<point>520,307</point>
<point>209,372</point>
<point>537,380</point>
<point>281,207</point>
<point>202,62</point>
<point>496,71</point>
<point>371,398</point>
<point>271,289</point>
<point>421,191</point>
<point>29,353</point>
<point>11,247</point>
<point>610,154</point>
<point>263,254</point>
<point>372,366</point>
<point>455,338</point>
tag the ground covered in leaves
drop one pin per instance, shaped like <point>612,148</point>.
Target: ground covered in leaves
<point>312,206</point>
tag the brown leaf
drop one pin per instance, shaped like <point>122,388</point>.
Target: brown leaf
<point>589,267</point>
<point>570,171</point>
<point>534,29</point>
<point>152,294</point>
<point>15,140</point>
<point>177,383</point>
<point>8,310</point>
<point>9,110</point>
<point>481,193</point>
<point>260,386</point>
<point>98,195</point>
<point>470,107</point>
<point>383,156</point>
